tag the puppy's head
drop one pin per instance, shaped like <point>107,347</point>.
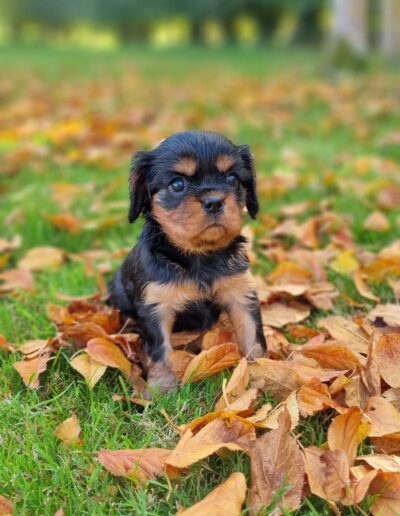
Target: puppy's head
<point>195,184</point>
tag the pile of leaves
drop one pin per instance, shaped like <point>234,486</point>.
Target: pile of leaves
<point>347,367</point>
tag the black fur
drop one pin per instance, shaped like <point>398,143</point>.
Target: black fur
<point>155,259</point>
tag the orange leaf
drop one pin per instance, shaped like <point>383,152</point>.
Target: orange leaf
<point>30,370</point>
<point>89,368</point>
<point>388,463</point>
<point>211,361</point>
<point>81,333</point>
<point>347,431</point>
<point>225,500</point>
<point>276,462</point>
<point>363,290</point>
<point>278,314</point>
<point>107,353</point>
<point>346,331</point>
<point>387,488</point>
<point>15,279</point>
<point>331,355</point>
<point>384,418</point>
<point>216,435</point>
<point>388,356</point>
<point>275,377</point>
<point>390,314</point>
<point>68,431</point>
<point>42,258</point>
<point>216,337</point>
<point>179,361</point>
<point>139,465</point>
<point>6,506</point>
<point>314,397</point>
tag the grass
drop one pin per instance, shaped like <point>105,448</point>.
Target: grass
<point>38,472</point>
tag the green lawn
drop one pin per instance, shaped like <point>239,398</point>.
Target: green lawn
<point>297,120</point>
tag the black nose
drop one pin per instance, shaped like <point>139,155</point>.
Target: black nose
<point>213,204</point>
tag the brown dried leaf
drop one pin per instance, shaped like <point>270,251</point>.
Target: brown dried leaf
<point>384,418</point>
<point>225,500</point>
<point>276,461</point>
<point>278,314</point>
<point>362,288</point>
<point>42,258</point>
<point>218,434</point>
<point>30,370</point>
<point>315,397</point>
<point>211,361</point>
<point>347,431</point>
<point>15,279</point>
<point>388,463</point>
<point>217,336</point>
<point>387,488</point>
<point>6,506</point>
<point>331,355</point>
<point>179,361</point>
<point>390,314</point>
<point>68,431</point>
<point>139,465</point>
<point>107,353</point>
<point>274,376</point>
<point>81,333</point>
<point>387,351</point>
<point>377,221</point>
<point>346,331</point>
<point>89,368</point>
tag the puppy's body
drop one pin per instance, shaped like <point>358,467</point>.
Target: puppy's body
<point>190,262</point>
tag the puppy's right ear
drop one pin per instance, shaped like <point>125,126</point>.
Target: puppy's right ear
<point>138,187</point>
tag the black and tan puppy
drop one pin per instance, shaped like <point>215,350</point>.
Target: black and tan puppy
<point>190,261</point>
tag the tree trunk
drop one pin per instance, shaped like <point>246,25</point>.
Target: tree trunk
<point>349,24</point>
<point>390,27</point>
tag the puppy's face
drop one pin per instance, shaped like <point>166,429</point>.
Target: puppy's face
<point>195,184</point>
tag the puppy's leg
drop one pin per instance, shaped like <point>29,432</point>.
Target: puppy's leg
<point>157,325</point>
<point>246,321</point>
<point>237,295</point>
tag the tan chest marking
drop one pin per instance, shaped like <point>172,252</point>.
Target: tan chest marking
<point>172,296</point>
<point>234,289</point>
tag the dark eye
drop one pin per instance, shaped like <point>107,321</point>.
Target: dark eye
<point>177,185</point>
<point>232,181</point>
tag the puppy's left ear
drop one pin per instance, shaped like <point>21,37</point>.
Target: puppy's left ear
<point>250,183</point>
<point>138,185</point>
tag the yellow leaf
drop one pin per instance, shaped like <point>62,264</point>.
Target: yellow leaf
<point>89,368</point>
<point>345,263</point>
<point>211,361</point>
<point>68,431</point>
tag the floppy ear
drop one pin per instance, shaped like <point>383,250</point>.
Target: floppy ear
<point>250,183</point>
<point>138,187</point>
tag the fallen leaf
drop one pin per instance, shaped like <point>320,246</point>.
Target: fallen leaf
<point>6,506</point>
<point>179,361</point>
<point>276,462</point>
<point>388,463</point>
<point>68,431</point>
<point>393,395</point>
<point>10,245</point>
<point>29,370</point>
<point>331,355</point>
<point>66,222</point>
<point>386,487</point>
<point>347,431</point>
<point>225,500</point>
<point>89,368</point>
<point>33,348</point>
<point>387,351</point>
<point>346,331</point>
<point>362,288</point>
<point>139,465</point>
<point>279,314</point>
<point>314,397</point>
<point>216,435</point>
<point>377,221</point>
<point>4,345</point>
<point>389,314</point>
<point>275,377</point>
<point>345,262</point>
<point>81,334</point>
<point>217,336</point>
<point>107,353</point>
<point>387,444</point>
<point>42,258</point>
<point>211,361</point>
<point>384,418</point>
<point>15,279</point>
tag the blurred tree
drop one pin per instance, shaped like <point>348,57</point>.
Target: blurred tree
<point>349,25</point>
<point>390,27</point>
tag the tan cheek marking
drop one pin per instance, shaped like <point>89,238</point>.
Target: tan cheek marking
<point>224,162</point>
<point>186,166</point>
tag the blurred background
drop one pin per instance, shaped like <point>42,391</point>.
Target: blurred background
<point>359,25</point>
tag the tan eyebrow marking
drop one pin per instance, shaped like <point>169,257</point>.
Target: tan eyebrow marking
<point>186,166</point>
<point>224,162</point>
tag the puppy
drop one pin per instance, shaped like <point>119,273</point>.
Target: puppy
<point>190,262</point>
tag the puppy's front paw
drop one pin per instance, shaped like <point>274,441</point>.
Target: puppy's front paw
<point>257,351</point>
<point>161,377</point>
